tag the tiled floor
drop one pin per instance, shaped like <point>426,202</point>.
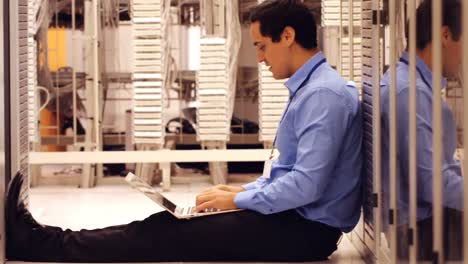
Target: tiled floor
<point>102,206</point>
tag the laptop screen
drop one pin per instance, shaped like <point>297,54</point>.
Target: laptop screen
<point>150,192</point>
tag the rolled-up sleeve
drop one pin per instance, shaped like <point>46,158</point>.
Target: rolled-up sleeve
<point>255,184</point>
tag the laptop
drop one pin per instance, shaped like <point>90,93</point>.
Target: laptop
<point>177,211</point>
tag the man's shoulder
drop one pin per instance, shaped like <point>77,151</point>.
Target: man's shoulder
<point>336,88</point>
<point>327,78</point>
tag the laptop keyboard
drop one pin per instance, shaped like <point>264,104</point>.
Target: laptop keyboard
<point>211,210</point>
<point>191,209</point>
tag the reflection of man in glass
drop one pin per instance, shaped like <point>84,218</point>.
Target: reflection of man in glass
<point>453,182</point>
<point>296,214</point>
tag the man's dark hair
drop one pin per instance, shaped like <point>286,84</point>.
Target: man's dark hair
<point>275,15</point>
<point>451,18</point>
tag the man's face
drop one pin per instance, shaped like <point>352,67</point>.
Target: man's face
<point>452,55</point>
<point>274,55</point>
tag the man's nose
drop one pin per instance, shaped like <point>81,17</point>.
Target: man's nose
<point>260,57</point>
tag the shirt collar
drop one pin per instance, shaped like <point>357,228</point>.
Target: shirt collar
<point>298,78</point>
<point>425,71</point>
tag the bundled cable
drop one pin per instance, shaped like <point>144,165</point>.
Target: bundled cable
<point>234,40</point>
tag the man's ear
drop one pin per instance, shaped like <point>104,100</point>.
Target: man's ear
<point>446,36</point>
<point>288,36</point>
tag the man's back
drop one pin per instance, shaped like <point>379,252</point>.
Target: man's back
<point>342,197</point>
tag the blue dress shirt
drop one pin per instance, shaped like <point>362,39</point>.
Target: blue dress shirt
<point>319,140</point>
<point>452,180</point>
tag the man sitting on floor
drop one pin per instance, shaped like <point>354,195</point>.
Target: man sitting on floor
<point>295,213</point>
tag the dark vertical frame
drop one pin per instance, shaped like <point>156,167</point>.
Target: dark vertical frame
<point>7,90</point>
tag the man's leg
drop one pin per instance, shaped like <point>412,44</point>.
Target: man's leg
<point>240,236</point>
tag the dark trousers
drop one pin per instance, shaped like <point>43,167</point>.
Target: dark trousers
<point>239,236</point>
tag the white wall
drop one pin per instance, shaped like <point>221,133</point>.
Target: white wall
<point>75,52</point>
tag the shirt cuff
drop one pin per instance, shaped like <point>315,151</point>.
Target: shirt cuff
<point>243,200</point>
<point>250,186</point>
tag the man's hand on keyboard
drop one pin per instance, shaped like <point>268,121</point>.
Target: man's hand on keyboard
<point>227,188</point>
<point>216,198</point>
